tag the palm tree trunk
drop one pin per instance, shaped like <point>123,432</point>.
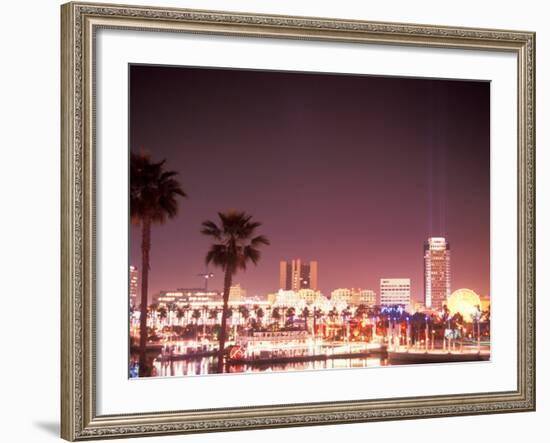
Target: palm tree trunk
<point>144,371</point>
<point>223,331</point>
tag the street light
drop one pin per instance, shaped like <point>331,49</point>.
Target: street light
<point>207,276</point>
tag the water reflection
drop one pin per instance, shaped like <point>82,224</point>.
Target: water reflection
<point>207,365</point>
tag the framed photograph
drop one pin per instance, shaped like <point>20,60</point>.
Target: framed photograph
<point>277,221</point>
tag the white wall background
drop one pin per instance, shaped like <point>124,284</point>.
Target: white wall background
<point>29,220</point>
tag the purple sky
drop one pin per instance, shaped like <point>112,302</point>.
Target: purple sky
<point>352,171</point>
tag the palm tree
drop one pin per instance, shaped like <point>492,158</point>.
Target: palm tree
<point>317,315</point>
<point>153,199</point>
<point>276,315</point>
<point>290,313</point>
<point>153,311</point>
<point>186,309</point>
<point>305,315</point>
<point>361,311</point>
<point>163,313</point>
<point>196,315</point>
<point>213,315</point>
<point>180,313</point>
<point>172,308</point>
<point>259,315</point>
<point>346,314</point>
<point>205,315</point>
<point>235,245</point>
<point>244,313</point>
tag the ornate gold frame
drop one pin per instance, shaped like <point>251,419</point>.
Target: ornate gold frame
<point>79,420</point>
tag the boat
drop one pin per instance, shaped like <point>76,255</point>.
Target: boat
<point>275,347</point>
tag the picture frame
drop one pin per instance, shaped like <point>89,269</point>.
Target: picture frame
<point>80,23</point>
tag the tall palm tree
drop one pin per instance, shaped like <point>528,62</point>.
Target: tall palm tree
<point>235,245</point>
<point>213,315</point>
<point>153,199</point>
<point>317,315</point>
<point>276,315</point>
<point>361,311</point>
<point>163,313</point>
<point>244,313</point>
<point>172,308</point>
<point>260,315</point>
<point>290,313</point>
<point>346,314</point>
<point>305,315</point>
<point>152,311</point>
<point>196,315</point>
<point>204,319</point>
<point>187,309</point>
<point>180,313</point>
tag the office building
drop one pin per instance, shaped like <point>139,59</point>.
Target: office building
<point>134,276</point>
<point>365,297</point>
<point>295,275</point>
<point>237,293</point>
<point>437,272</point>
<point>395,291</point>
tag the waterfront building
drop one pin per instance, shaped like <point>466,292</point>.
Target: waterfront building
<point>298,300</point>
<point>437,272</point>
<point>295,275</point>
<point>395,291</point>
<point>354,296</point>
<point>289,299</point>
<point>237,293</point>
<point>191,296</point>
<point>341,295</point>
<point>310,296</point>
<point>365,297</point>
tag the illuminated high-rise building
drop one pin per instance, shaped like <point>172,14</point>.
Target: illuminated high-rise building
<point>133,285</point>
<point>295,275</point>
<point>395,291</point>
<point>437,272</point>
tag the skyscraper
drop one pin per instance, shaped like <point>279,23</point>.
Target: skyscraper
<point>395,291</point>
<point>437,272</point>
<point>133,285</point>
<point>295,275</point>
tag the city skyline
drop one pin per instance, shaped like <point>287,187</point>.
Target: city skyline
<point>360,199</point>
<point>294,275</point>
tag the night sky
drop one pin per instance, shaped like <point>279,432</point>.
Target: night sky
<point>352,171</point>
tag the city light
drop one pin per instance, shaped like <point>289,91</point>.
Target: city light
<point>302,328</point>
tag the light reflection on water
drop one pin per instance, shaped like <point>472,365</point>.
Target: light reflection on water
<point>207,365</point>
